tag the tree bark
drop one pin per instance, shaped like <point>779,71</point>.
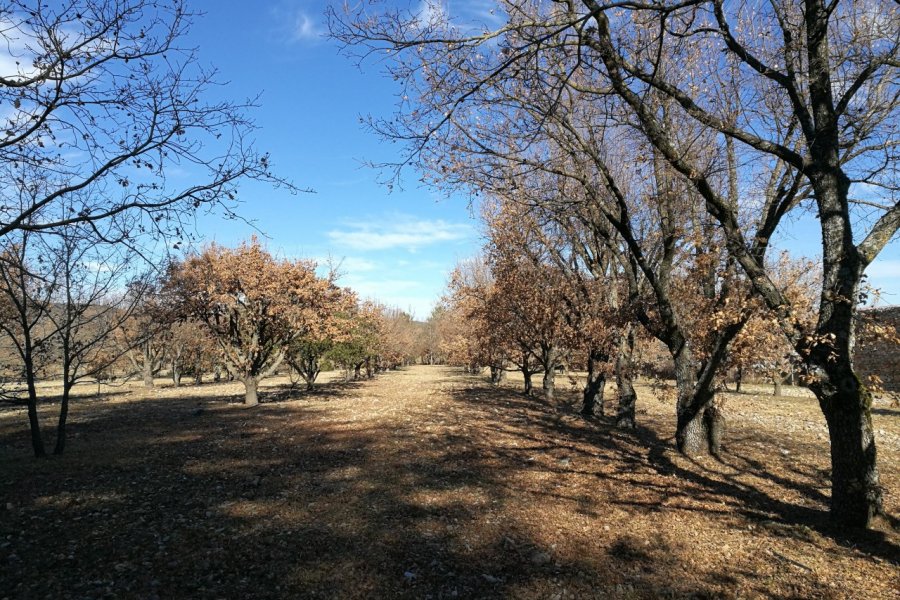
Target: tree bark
<point>63,418</point>
<point>739,379</point>
<point>176,374</point>
<point>625,415</point>
<point>856,495</point>
<point>549,382</point>
<point>147,370</point>
<point>693,434</point>
<point>37,440</point>
<point>529,387</point>
<point>777,391</point>
<point>595,385</point>
<point>251,395</point>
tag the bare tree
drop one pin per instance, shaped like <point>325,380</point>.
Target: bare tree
<point>102,101</point>
<point>798,100</point>
<point>65,292</point>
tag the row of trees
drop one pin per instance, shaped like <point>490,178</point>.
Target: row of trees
<point>240,310</point>
<point>644,134</point>
<point>101,100</point>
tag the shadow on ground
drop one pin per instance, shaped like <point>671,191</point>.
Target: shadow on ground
<point>440,488</point>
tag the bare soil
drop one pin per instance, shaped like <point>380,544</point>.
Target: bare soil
<point>429,483</point>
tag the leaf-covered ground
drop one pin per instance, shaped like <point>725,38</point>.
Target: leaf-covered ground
<point>428,483</point>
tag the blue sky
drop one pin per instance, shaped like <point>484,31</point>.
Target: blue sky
<point>399,246</point>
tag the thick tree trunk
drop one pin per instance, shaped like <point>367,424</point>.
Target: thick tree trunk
<point>147,371</point>
<point>497,374</point>
<point>625,415</point>
<point>595,385</point>
<point>777,391</point>
<point>856,495</point>
<point>549,382</point>
<point>739,379</point>
<point>529,387</point>
<point>699,424</point>
<point>251,396</point>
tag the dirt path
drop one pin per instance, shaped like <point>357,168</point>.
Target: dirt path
<point>421,483</point>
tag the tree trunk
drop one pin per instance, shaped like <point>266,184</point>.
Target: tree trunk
<point>549,382</point>
<point>625,417</point>
<point>147,370</point>
<point>251,396</point>
<point>217,373</point>
<point>176,374</point>
<point>528,385</point>
<point>693,434</point>
<point>777,391</point>
<point>595,385</point>
<point>497,374</point>
<point>856,495</point>
<point>739,379</point>
<point>63,418</point>
<point>37,440</point>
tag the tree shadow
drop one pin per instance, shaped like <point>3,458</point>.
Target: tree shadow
<point>739,480</point>
<point>309,499</point>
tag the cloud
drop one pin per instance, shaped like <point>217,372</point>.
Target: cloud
<point>294,24</point>
<point>306,28</point>
<point>401,232</point>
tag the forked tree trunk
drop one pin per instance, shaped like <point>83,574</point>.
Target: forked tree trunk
<point>699,425</point>
<point>625,414</point>
<point>251,395</point>
<point>529,387</point>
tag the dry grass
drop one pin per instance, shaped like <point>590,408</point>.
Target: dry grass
<point>428,483</point>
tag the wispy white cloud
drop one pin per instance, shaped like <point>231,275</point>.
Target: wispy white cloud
<point>306,28</point>
<point>400,232</point>
<point>293,23</point>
